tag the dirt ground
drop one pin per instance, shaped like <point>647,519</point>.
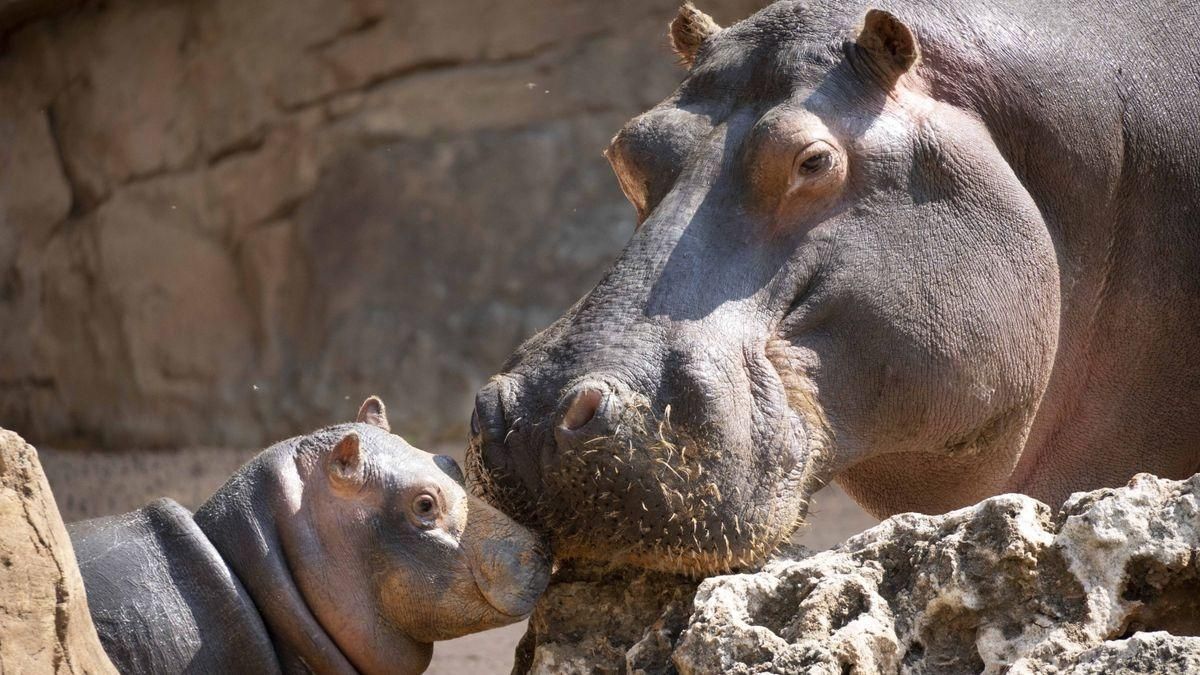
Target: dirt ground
<point>89,484</point>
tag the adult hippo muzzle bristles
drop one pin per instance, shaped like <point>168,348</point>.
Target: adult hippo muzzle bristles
<point>935,252</point>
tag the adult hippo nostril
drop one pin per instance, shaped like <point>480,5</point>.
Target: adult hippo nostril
<point>583,406</point>
<point>488,423</point>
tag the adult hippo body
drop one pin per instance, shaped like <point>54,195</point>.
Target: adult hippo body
<point>341,551</point>
<point>936,252</point>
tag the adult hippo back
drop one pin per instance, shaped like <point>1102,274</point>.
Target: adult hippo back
<point>937,252</point>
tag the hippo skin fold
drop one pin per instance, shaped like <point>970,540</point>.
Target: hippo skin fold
<point>342,551</point>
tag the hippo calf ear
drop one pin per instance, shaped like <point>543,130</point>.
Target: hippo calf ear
<point>689,29</point>
<point>451,468</point>
<point>345,460</point>
<point>372,411</point>
<point>889,43</point>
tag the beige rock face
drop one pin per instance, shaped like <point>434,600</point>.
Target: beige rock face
<point>207,237</point>
<point>1109,584</point>
<point>44,622</point>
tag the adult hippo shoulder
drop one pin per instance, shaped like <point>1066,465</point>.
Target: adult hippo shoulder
<point>342,551</point>
<point>935,250</point>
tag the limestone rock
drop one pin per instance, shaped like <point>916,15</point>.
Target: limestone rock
<point>45,626</point>
<point>606,621</point>
<point>1155,652</point>
<point>1005,586</point>
<point>15,12</point>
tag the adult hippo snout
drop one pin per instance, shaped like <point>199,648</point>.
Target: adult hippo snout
<point>690,460</point>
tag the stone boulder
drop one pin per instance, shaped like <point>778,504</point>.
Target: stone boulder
<point>1109,584</point>
<point>45,626</point>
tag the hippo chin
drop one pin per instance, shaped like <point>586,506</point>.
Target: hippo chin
<point>937,252</point>
<point>343,551</point>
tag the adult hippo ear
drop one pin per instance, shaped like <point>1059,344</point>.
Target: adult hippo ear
<point>890,46</point>
<point>689,30</point>
<point>373,412</point>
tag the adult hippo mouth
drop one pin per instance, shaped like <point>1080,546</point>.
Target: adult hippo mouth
<point>855,260</point>
<point>621,478</point>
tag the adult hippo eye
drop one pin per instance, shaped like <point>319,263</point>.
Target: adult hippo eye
<point>816,163</point>
<point>425,508</point>
<point>813,165</point>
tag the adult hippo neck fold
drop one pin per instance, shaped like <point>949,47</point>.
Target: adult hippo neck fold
<point>935,253</point>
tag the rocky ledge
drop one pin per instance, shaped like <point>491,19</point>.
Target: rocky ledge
<point>45,626</point>
<point>1109,584</point>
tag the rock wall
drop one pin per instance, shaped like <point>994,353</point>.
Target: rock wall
<point>1109,584</point>
<point>222,220</point>
<point>45,626</point>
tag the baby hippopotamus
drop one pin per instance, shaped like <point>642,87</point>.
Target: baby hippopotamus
<point>346,550</point>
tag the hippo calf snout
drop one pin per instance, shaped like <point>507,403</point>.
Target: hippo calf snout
<point>512,572</point>
<point>510,565</point>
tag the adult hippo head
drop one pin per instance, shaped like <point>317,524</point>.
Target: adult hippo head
<point>854,259</point>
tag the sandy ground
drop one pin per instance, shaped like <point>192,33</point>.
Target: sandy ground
<point>89,484</point>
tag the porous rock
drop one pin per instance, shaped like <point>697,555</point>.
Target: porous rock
<point>1111,583</point>
<point>45,626</point>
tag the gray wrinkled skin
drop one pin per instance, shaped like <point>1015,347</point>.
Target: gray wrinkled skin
<point>312,558</point>
<point>991,285</point>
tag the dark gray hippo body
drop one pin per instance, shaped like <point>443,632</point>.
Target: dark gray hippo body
<point>342,551</point>
<point>936,252</point>
<point>164,600</point>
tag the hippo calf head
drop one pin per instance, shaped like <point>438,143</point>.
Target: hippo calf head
<point>387,551</point>
<point>836,273</point>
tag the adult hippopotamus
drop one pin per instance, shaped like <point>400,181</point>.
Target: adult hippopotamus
<point>343,551</point>
<point>934,250</point>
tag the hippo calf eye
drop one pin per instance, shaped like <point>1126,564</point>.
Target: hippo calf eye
<point>425,507</point>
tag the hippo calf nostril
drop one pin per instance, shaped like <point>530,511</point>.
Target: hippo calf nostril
<point>582,408</point>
